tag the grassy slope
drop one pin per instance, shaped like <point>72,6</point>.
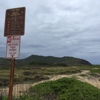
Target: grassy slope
<point>63,89</point>
<point>38,74</point>
<point>44,60</point>
<point>34,59</point>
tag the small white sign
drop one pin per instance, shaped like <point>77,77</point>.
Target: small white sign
<point>13,47</point>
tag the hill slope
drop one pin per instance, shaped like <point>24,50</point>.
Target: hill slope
<point>45,60</point>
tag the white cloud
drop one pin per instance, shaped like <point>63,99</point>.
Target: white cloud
<point>57,28</point>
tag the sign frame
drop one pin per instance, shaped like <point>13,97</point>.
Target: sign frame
<point>15,22</point>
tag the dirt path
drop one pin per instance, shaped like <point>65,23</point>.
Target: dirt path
<point>19,89</point>
<point>89,79</point>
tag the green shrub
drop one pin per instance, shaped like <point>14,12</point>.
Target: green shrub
<point>66,89</point>
<point>26,97</point>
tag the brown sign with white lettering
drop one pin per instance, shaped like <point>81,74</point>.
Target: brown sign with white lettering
<point>14,22</point>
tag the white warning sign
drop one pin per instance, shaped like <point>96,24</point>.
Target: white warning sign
<point>13,47</point>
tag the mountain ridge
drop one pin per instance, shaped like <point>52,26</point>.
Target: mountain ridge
<point>47,60</point>
<point>66,60</point>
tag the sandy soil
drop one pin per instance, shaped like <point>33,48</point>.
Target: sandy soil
<point>19,89</point>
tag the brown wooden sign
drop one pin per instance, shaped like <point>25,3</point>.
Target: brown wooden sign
<point>14,22</point>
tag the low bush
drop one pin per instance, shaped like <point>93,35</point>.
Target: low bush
<point>65,89</point>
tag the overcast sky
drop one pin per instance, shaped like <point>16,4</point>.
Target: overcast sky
<point>57,28</point>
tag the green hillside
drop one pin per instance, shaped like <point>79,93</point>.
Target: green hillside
<point>45,60</point>
<point>4,62</point>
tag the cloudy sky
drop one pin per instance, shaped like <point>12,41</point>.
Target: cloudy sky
<point>57,28</point>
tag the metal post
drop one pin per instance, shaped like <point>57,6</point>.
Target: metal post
<point>11,78</point>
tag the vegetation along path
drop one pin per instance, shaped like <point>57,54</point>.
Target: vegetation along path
<point>84,76</point>
<point>87,78</point>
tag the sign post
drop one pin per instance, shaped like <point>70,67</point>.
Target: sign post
<point>14,28</point>
<point>11,78</point>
